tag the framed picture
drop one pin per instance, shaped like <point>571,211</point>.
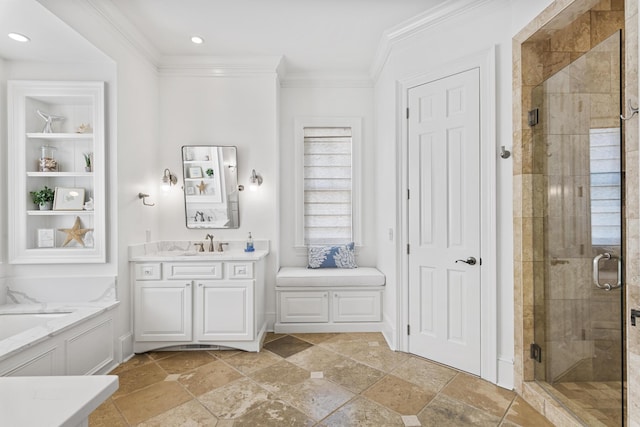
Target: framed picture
<point>195,172</point>
<point>191,191</point>
<point>45,238</point>
<point>68,199</point>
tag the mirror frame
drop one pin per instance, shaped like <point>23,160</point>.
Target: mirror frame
<point>210,176</point>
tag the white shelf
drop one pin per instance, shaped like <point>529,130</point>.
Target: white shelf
<point>57,213</point>
<point>40,135</point>
<point>58,174</point>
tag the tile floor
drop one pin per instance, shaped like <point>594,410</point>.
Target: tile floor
<point>595,402</point>
<point>319,380</point>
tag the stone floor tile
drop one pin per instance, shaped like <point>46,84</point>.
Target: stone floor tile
<point>276,377</point>
<point>479,394</point>
<point>274,413</point>
<point>139,377</point>
<point>191,413</point>
<point>399,395</point>
<point>151,401</point>
<point>134,362</point>
<point>247,362</point>
<point>425,374</point>
<point>208,377</point>
<point>316,358</point>
<point>522,414</point>
<point>235,399</point>
<point>362,412</point>
<point>444,411</point>
<point>316,338</point>
<point>381,358</point>
<point>352,375</point>
<point>270,336</point>
<point>185,361</point>
<point>287,346</point>
<point>316,398</point>
<point>107,415</point>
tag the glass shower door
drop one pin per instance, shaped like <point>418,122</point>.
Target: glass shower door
<point>578,301</point>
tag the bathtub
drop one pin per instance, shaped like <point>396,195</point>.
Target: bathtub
<point>56,338</point>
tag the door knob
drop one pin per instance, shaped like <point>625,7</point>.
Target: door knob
<point>471,261</point>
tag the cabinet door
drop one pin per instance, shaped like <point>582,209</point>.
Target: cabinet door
<point>304,307</point>
<point>224,310</point>
<point>162,311</point>
<point>357,306</point>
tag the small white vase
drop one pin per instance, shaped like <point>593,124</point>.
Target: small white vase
<point>45,206</point>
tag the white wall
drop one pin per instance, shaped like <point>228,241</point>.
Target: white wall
<point>132,135</point>
<point>232,111</point>
<point>325,102</point>
<point>440,44</point>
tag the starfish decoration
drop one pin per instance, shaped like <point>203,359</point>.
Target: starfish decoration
<point>201,187</point>
<point>75,233</point>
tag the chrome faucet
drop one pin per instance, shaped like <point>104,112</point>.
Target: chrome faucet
<point>220,244</point>
<point>200,246</point>
<point>200,214</point>
<point>210,237</point>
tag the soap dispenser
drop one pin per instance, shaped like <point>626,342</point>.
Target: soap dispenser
<point>249,247</point>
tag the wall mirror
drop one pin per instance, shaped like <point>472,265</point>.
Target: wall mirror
<point>210,186</point>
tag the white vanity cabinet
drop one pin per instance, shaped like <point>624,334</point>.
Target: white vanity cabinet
<point>68,157</point>
<point>200,302</point>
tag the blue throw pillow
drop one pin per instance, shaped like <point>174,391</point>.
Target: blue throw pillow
<point>342,256</point>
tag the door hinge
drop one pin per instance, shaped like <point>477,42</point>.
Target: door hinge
<point>408,329</point>
<point>407,113</point>
<point>408,194</point>
<point>408,249</point>
<point>535,352</point>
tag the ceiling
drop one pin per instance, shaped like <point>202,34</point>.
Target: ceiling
<point>314,37</point>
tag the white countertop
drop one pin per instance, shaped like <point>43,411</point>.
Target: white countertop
<point>188,251</point>
<point>200,256</point>
<point>52,401</point>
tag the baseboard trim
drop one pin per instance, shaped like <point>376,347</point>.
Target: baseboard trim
<point>288,328</point>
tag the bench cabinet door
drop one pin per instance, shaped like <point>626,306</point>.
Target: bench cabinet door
<point>304,307</point>
<point>357,306</point>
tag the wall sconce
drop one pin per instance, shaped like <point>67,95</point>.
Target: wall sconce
<point>255,181</point>
<point>168,179</point>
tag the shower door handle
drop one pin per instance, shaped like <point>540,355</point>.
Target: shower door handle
<point>596,272</point>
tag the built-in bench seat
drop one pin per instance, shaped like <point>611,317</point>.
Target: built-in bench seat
<point>329,300</point>
<point>313,277</point>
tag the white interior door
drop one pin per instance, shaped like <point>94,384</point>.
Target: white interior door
<point>444,220</point>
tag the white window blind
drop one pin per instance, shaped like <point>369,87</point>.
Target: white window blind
<point>604,160</point>
<point>328,183</point>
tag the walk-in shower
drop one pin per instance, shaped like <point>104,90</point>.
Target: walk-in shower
<point>578,291</point>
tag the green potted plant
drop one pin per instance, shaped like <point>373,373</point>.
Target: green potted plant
<point>209,172</point>
<point>43,198</point>
<point>87,161</point>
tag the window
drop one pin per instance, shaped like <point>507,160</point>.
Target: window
<point>604,159</point>
<point>328,174</point>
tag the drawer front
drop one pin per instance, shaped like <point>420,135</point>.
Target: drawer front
<point>304,307</point>
<point>149,271</point>
<point>239,270</point>
<point>192,270</point>
<point>357,306</point>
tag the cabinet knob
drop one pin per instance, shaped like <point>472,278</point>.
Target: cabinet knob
<point>188,284</point>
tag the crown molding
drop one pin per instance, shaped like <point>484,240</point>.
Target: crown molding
<point>318,80</point>
<point>123,27</point>
<point>411,27</point>
<point>220,66</point>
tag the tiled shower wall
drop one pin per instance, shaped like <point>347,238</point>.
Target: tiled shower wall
<point>559,35</point>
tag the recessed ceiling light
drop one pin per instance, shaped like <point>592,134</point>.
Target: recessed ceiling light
<point>197,39</point>
<point>19,37</point>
